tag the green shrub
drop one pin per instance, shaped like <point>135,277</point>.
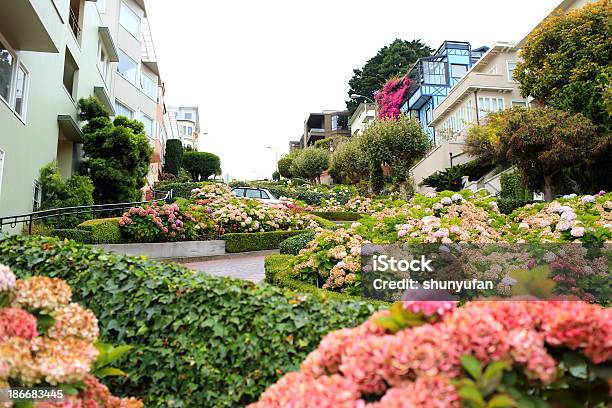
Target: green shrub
<point>508,205</point>
<point>513,187</point>
<point>256,241</point>
<point>199,341</point>
<point>77,235</point>
<point>173,156</point>
<point>293,245</point>
<point>278,273</point>
<point>103,230</point>
<point>338,215</point>
<point>324,223</point>
<point>178,189</point>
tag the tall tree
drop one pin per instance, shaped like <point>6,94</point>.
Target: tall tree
<point>173,156</point>
<point>310,163</point>
<point>391,61</point>
<point>566,62</point>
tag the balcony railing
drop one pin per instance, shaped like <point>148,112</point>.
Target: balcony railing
<point>75,26</point>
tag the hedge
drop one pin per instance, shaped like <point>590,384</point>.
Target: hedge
<point>338,215</point>
<point>199,341</point>
<point>278,273</point>
<point>256,241</point>
<point>508,205</point>
<point>78,235</point>
<point>103,230</point>
<point>293,245</point>
<point>178,189</point>
<point>325,223</point>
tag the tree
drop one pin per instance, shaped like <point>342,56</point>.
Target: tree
<point>310,163</point>
<point>284,166</point>
<point>173,157</point>
<point>117,154</point>
<point>397,143</point>
<point>350,160</point>
<point>566,62</point>
<point>276,176</point>
<point>201,165</point>
<point>548,146</point>
<point>391,61</point>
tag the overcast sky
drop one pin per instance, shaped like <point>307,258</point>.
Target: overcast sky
<point>257,68</point>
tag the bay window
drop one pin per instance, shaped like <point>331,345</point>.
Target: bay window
<point>127,67</point>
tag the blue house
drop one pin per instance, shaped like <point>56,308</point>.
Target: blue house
<point>434,76</point>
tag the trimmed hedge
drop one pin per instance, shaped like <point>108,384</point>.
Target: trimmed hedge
<point>508,205</point>
<point>78,235</point>
<point>103,230</point>
<point>278,273</point>
<point>338,215</point>
<point>178,189</point>
<point>199,341</point>
<point>293,245</point>
<point>256,241</point>
<point>325,223</point>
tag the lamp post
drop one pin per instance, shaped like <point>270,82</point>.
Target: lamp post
<point>276,157</point>
<point>357,96</point>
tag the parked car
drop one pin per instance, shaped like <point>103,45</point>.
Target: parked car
<point>260,194</point>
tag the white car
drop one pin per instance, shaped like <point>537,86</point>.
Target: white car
<point>260,194</point>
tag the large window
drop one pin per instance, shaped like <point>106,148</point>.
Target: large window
<point>70,74</point>
<point>7,62</point>
<point>489,104</point>
<point>188,116</point>
<point>511,68</point>
<point>127,67</point>
<point>148,125</point>
<point>130,20</point>
<point>14,79</point>
<point>122,110</point>
<point>458,70</point>
<point>149,86</point>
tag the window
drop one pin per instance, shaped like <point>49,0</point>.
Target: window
<point>428,116</point>
<point>103,62</point>
<point>519,103</point>
<point>148,86</point>
<point>122,110</point>
<point>493,70</point>
<point>148,125</point>
<point>130,21</point>
<point>37,195</point>
<point>101,6</point>
<point>264,195</point>
<point>488,104</point>
<point>182,129</point>
<point>1,168</point>
<point>21,91</point>
<point>238,192</point>
<point>189,130</point>
<point>70,74</point>
<point>511,68</point>
<point>7,62</point>
<point>250,193</point>
<point>127,67</point>
<point>458,70</point>
<point>188,116</point>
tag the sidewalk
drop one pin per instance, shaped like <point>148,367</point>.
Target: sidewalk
<point>246,266</point>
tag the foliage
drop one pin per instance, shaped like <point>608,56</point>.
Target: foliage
<point>451,178</point>
<point>198,340</point>
<point>118,155</point>
<point>390,61</point>
<point>201,165</point>
<point>293,245</point>
<point>173,157</point>
<point>350,160</point>
<point>178,189</point>
<point>155,223</point>
<point>256,241</point>
<point>338,215</point>
<point>512,186</point>
<point>78,235</point>
<point>276,176</point>
<point>284,166</point>
<point>57,193</point>
<point>398,143</point>
<point>47,341</point>
<point>390,97</point>
<point>566,62</point>
<point>310,163</point>
<point>508,205</point>
<point>483,355</point>
<point>103,230</point>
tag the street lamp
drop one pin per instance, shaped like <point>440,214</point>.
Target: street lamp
<point>357,96</point>
<point>275,155</point>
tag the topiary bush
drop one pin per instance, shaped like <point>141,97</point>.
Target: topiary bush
<point>199,341</point>
<point>103,230</point>
<point>293,245</point>
<point>256,241</point>
<point>78,235</point>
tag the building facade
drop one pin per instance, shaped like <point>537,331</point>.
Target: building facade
<point>434,76</point>
<point>185,122</point>
<point>53,53</point>
<point>362,117</point>
<point>326,124</point>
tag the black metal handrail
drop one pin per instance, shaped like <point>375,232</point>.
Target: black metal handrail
<point>29,218</point>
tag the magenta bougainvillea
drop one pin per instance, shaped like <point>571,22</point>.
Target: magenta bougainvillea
<point>389,99</point>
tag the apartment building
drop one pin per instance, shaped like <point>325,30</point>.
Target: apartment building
<point>185,124</point>
<point>53,53</point>
<point>325,124</point>
<point>434,76</point>
<point>362,117</point>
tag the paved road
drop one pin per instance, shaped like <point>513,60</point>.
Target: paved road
<point>247,266</point>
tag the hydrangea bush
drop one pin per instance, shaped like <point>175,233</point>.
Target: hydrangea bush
<point>155,223</point>
<point>47,341</point>
<point>432,354</point>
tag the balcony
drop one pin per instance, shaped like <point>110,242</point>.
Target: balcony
<point>24,26</point>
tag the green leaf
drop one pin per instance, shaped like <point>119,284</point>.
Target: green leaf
<point>502,401</point>
<point>471,394</point>
<point>492,376</point>
<point>110,372</point>
<point>471,365</point>
<point>576,364</point>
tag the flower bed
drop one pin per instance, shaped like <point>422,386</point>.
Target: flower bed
<point>47,341</point>
<point>431,354</point>
<point>155,223</point>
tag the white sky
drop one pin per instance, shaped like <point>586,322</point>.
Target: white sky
<point>257,68</point>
